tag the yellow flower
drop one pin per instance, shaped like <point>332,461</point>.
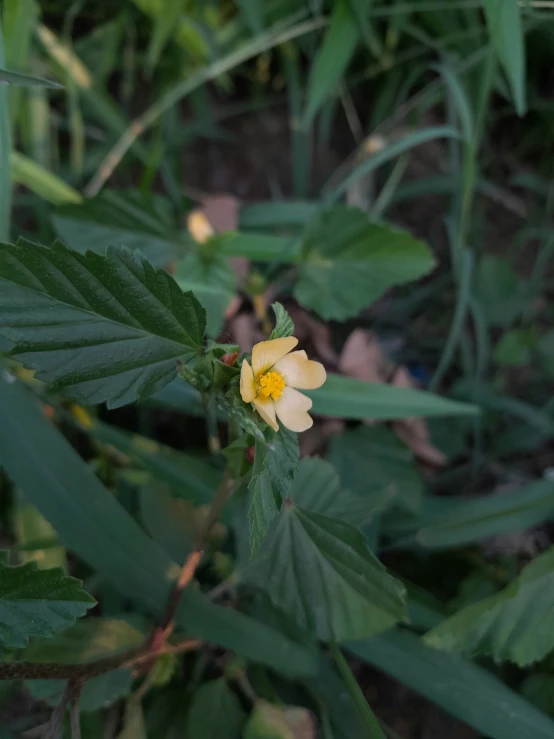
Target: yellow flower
<point>269,384</point>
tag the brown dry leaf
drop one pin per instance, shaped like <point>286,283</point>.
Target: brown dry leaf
<point>312,440</point>
<point>413,431</point>
<point>307,329</point>
<point>244,332</point>
<point>362,358</point>
<point>222,212</point>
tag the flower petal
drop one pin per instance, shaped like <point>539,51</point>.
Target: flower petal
<point>266,409</point>
<point>247,383</point>
<point>292,410</point>
<point>299,371</point>
<point>267,353</point>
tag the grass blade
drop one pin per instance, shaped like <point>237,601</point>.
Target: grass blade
<point>5,146</point>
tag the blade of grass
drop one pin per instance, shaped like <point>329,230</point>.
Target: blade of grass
<point>5,146</point>
<point>39,180</point>
<point>385,155</point>
<point>260,43</point>
<point>462,302</point>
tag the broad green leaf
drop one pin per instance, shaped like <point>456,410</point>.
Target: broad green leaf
<point>332,58</point>
<point>97,693</point>
<point>212,281</point>
<point>345,397</point>
<point>37,602</point>
<point>88,640</point>
<point>258,247</point>
<point>171,522</point>
<point>317,488</point>
<point>126,218</point>
<point>91,522</point>
<point>321,573</point>
<point>38,179</point>
<point>515,347</point>
<point>279,722</point>
<point>514,624</point>
<point>371,459</point>
<point>102,328</point>
<point>178,396</point>
<point>283,322</point>
<point>507,36</point>
<point>24,80</point>
<point>500,513</point>
<point>275,462</point>
<point>215,712</point>
<point>188,477</point>
<point>347,263</point>
<point>459,687</point>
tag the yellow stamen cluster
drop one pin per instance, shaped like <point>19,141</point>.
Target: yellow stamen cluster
<point>271,385</point>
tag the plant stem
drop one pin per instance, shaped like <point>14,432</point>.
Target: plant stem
<point>374,730</point>
<point>214,445</point>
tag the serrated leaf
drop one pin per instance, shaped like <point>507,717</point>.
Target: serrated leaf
<point>347,263</point>
<point>283,322</point>
<point>514,624</point>
<point>317,488</point>
<point>37,602</point>
<point>459,687</point>
<point>212,281</point>
<point>499,513</point>
<point>279,722</point>
<point>215,713</point>
<point>321,573</point>
<point>275,462</point>
<point>131,219</point>
<point>371,459</point>
<point>102,328</point>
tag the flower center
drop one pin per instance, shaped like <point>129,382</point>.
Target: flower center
<point>271,385</point>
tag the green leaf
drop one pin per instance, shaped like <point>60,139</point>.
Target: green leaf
<point>212,281</point>
<point>215,713</point>
<point>507,36</point>
<point>317,488</point>
<point>275,462</point>
<point>38,179</point>
<point>348,263</point>
<point>88,640</point>
<point>271,214</point>
<point>5,148</point>
<point>500,513</point>
<point>332,58</point>
<point>503,296</point>
<point>169,521</point>
<point>283,322</point>
<point>188,477</point>
<point>98,693</point>
<point>279,722</point>
<point>91,522</point>
<point>514,348</point>
<point>102,328</point>
<point>345,397</point>
<point>37,602</point>
<point>460,688</point>
<point>371,459</point>
<point>258,247</point>
<point>24,80</point>
<point>320,572</point>
<point>514,624</point>
<point>113,218</point>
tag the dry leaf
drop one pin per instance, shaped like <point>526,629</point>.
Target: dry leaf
<point>312,440</point>
<point>362,358</point>
<point>244,332</point>
<point>308,330</point>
